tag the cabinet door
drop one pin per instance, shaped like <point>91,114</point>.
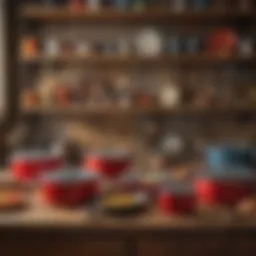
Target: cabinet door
<point>36,243</point>
<point>184,244</point>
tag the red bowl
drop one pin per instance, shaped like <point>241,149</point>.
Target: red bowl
<point>224,192</point>
<point>108,164</point>
<point>31,165</point>
<point>78,189</point>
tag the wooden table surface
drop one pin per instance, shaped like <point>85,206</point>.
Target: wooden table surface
<point>39,215</point>
<point>87,231</point>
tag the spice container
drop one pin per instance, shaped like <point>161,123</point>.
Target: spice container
<point>174,45</point>
<point>29,47</point>
<point>29,165</point>
<point>68,188</point>
<point>109,163</point>
<point>177,199</point>
<point>169,95</point>
<point>192,45</point>
<point>52,47</point>
<point>246,47</point>
<point>224,188</point>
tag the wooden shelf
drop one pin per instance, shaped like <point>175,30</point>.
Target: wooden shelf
<point>60,14</point>
<point>85,111</point>
<point>140,61</point>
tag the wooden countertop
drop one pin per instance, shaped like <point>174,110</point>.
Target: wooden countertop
<point>38,215</point>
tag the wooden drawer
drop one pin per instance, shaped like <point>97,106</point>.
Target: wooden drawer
<point>184,245</point>
<point>62,245</point>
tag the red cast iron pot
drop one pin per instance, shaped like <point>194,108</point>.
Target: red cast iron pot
<point>177,200</point>
<point>69,188</point>
<point>29,166</point>
<point>223,190</point>
<point>109,164</point>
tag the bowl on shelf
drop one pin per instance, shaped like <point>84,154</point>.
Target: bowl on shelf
<point>29,165</point>
<point>108,163</point>
<point>68,187</point>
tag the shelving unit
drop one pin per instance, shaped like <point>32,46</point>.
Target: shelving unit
<point>163,61</point>
<point>60,14</point>
<point>39,18</point>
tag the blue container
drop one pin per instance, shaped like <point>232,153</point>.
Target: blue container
<point>174,45</point>
<point>230,158</point>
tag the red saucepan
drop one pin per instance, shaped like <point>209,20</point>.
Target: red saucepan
<point>29,165</point>
<point>69,188</point>
<point>110,164</point>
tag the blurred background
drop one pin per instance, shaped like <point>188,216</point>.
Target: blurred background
<point>155,77</point>
<point>132,105</point>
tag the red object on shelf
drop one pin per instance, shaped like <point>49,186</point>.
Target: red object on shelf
<point>72,193</point>
<point>29,168</point>
<point>108,165</point>
<point>77,5</point>
<point>224,192</point>
<point>171,203</point>
<point>222,42</point>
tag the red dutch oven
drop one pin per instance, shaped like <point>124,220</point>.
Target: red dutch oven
<point>110,164</point>
<point>69,188</point>
<point>178,199</point>
<point>30,165</point>
<point>224,188</point>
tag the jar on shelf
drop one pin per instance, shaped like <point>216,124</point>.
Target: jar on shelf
<point>169,95</point>
<point>52,47</point>
<point>246,47</point>
<point>174,44</point>
<point>29,47</point>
